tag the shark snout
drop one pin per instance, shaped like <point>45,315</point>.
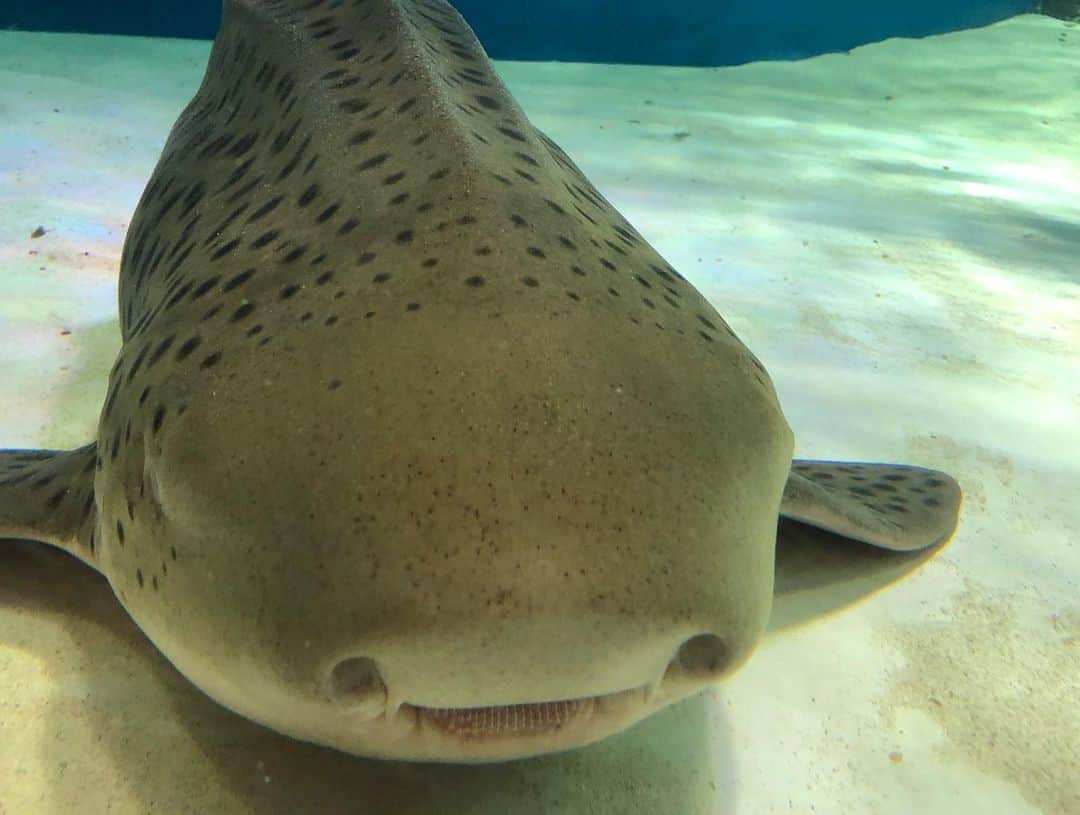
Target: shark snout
<point>656,672</point>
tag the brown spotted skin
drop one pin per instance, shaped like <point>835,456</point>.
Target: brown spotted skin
<point>49,495</point>
<point>408,418</point>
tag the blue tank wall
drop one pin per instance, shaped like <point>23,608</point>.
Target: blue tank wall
<point>691,32</point>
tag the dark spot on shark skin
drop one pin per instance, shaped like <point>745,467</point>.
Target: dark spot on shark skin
<point>327,213</point>
<point>308,195</point>
<point>185,350</point>
<point>242,312</point>
<point>56,499</point>
<point>265,239</point>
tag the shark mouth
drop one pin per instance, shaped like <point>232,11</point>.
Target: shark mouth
<point>507,721</point>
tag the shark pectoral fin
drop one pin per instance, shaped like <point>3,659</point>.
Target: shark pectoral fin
<point>830,509</point>
<point>891,506</point>
<point>48,495</point>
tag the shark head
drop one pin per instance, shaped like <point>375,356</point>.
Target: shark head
<point>431,455</point>
<point>461,546</point>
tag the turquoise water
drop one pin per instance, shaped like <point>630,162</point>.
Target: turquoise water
<point>693,32</point>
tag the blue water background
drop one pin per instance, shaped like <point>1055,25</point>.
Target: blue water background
<point>693,32</point>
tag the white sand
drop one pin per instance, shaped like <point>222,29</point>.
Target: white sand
<point>895,233</point>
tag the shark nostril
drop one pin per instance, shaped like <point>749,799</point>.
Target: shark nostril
<point>704,656</point>
<point>356,680</point>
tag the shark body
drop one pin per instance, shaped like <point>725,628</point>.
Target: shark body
<point>415,447</point>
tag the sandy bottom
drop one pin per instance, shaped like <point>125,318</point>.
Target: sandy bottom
<point>895,232</point>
